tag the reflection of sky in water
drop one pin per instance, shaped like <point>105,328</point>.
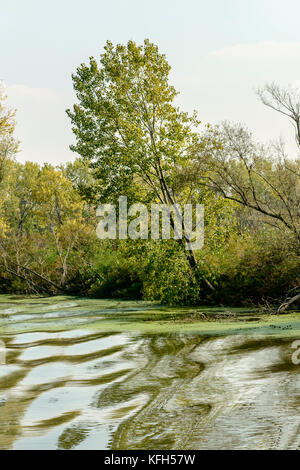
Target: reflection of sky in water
<point>56,323</point>
<point>96,345</point>
<point>8,369</point>
<point>41,336</point>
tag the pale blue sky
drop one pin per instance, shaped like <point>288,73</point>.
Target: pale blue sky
<point>219,51</point>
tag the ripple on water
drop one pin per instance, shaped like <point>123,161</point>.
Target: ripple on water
<point>77,388</point>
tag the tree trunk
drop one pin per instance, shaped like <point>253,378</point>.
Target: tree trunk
<point>287,303</point>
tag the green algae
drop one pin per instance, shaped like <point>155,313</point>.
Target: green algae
<point>19,313</point>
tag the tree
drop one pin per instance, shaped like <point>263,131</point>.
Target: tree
<point>285,101</point>
<point>8,143</point>
<point>126,124</point>
<point>8,148</point>
<point>128,128</point>
<point>49,229</point>
<point>241,170</point>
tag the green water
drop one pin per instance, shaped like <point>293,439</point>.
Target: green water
<point>94,374</point>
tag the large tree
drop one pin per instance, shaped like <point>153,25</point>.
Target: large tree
<point>126,123</point>
<point>129,129</point>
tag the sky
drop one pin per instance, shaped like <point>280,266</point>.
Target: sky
<point>220,52</point>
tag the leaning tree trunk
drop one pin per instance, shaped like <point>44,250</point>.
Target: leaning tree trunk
<point>287,303</point>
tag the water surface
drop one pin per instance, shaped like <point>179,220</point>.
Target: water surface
<point>79,376</point>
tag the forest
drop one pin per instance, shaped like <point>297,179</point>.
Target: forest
<point>132,139</point>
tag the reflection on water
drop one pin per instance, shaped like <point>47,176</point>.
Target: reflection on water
<point>88,389</point>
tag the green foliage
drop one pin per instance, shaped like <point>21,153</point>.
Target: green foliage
<point>50,230</point>
<point>167,275</point>
<point>118,277</point>
<point>256,266</point>
<point>132,140</point>
<point>126,125</point>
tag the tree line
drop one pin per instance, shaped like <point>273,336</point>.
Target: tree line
<point>132,139</point>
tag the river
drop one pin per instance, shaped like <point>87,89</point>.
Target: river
<point>66,382</point>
